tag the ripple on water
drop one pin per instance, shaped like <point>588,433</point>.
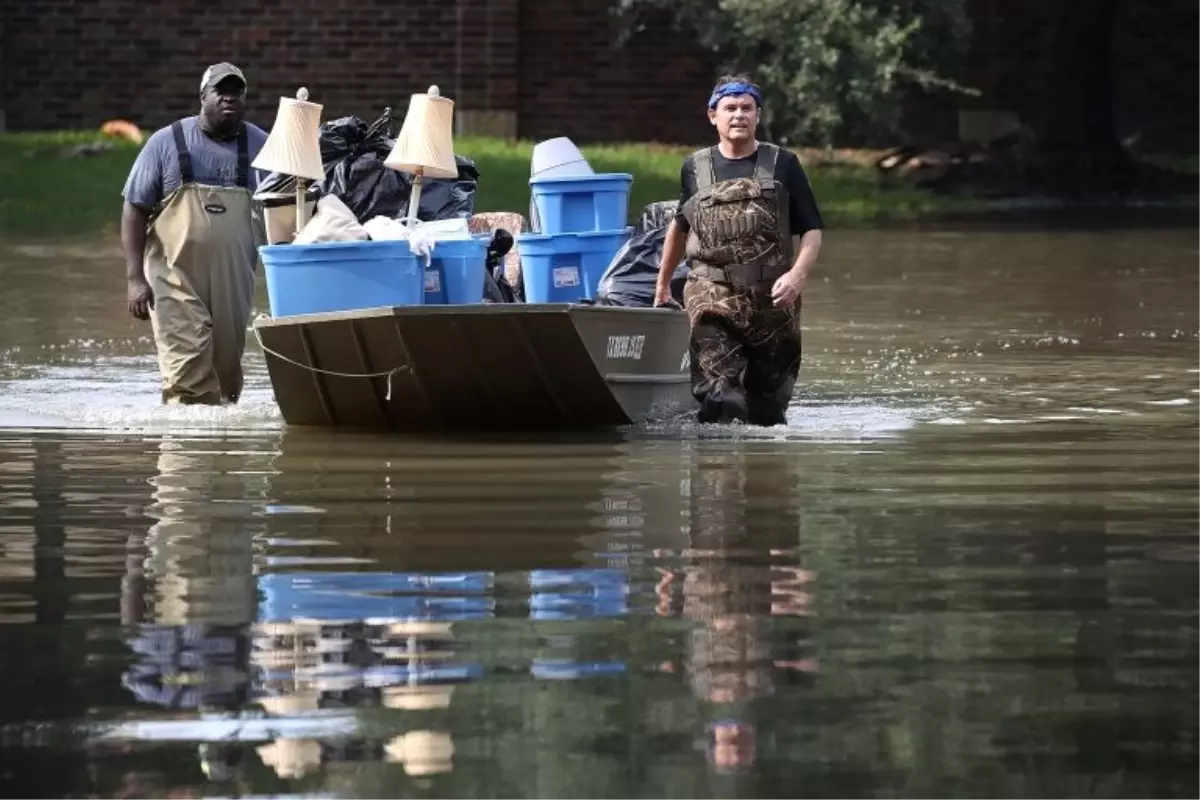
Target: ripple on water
<point>944,609</point>
<point>118,392</point>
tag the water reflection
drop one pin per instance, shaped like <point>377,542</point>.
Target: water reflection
<point>656,586</point>
<point>189,592</point>
<point>366,616</point>
<point>966,566</point>
<point>739,583</point>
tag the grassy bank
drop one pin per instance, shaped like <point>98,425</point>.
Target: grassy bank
<point>50,193</point>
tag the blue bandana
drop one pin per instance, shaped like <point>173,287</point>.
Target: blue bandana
<point>727,89</point>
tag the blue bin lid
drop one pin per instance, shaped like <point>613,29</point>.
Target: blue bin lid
<point>369,250</point>
<point>599,177</point>
<point>535,238</point>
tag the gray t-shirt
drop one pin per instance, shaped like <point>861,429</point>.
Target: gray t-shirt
<point>155,173</point>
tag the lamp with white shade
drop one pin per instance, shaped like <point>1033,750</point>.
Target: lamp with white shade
<point>294,147</point>
<point>425,146</point>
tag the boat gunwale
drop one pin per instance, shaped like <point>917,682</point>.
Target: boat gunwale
<point>266,321</point>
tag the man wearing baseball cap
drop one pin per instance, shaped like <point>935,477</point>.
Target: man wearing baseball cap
<point>190,238</point>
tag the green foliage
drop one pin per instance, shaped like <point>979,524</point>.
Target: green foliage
<point>63,194</point>
<point>830,69</point>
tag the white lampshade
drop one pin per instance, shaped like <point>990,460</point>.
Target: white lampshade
<point>426,140</point>
<point>424,697</point>
<point>291,758</point>
<point>422,752</point>
<point>294,144</point>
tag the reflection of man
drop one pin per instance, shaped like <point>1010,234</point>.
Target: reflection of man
<point>750,227</point>
<point>198,596</point>
<point>734,744</point>
<point>738,574</point>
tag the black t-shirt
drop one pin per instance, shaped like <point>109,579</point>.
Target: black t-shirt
<point>804,213</point>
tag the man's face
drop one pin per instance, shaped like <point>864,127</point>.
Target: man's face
<point>736,117</point>
<point>224,104</point>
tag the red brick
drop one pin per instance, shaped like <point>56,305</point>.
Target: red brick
<point>76,63</point>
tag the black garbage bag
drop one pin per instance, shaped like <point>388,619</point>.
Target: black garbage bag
<point>496,288</point>
<point>352,154</point>
<point>445,198</point>
<point>633,272</point>
<point>353,158</point>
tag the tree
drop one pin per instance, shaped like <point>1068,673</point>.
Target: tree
<point>829,69</point>
<point>1079,134</point>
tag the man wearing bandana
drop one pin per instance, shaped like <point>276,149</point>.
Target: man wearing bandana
<point>749,225</point>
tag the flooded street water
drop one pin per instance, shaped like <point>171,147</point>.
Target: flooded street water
<point>966,567</point>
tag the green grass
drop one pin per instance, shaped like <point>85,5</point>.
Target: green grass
<point>47,194</point>
<point>847,195</point>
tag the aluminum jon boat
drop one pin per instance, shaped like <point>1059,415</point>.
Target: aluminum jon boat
<point>499,367</point>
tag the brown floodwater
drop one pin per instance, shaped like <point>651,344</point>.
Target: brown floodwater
<point>967,566</point>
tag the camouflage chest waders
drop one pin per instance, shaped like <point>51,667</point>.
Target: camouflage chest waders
<point>745,352</point>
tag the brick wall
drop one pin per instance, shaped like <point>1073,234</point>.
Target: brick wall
<point>4,68</point>
<point>548,63</point>
<point>79,62</point>
<point>76,63</point>
<point>574,82</point>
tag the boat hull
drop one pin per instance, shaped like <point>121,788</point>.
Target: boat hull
<point>478,367</point>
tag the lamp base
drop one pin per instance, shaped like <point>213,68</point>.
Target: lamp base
<point>301,204</point>
<point>414,201</point>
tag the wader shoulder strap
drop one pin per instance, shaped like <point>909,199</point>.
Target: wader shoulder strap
<point>185,158</point>
<point>706,174</point>
<point>768,155</point>
<point>243,173</point>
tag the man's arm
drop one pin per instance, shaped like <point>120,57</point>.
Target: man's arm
<point>676,237</point>
<point>673,245</point>
<point>143,189</point>
<point>807,247</point>
<point>134,221</point>
<point>804,216</point>
<point>805,219</point>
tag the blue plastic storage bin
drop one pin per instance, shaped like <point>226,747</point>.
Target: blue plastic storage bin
<point>581,203</point>
<point>340,276</point>
<point>578,593</point>
<point>456,273</point>
<point>566,267</point>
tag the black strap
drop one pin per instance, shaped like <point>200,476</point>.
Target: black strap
<point>706,170</point>
<point>185,158</point>
<point>737,273</point>
<point>243,173</point>
<point>764,168</point>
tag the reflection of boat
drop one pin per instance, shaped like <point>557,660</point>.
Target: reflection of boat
<point>483,366</point>
<point>468,505</point>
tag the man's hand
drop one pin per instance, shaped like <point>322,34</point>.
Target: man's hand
<point>138,295</point>
<point>140,298</point>
<point>672,254</point>
<point>788,288</point>
<point>663,298</point>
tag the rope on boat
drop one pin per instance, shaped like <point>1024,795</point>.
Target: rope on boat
<point>385,374</point>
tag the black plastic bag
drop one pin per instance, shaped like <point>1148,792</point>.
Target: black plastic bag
<point>496,288</point>
<point>342,141</point>
<point>633,272</point>
<point>445,198</point>
<point>352,154</point>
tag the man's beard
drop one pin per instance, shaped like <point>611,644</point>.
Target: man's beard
<point>222,126</point>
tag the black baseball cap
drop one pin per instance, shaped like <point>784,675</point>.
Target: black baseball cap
<point>219,72</point>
